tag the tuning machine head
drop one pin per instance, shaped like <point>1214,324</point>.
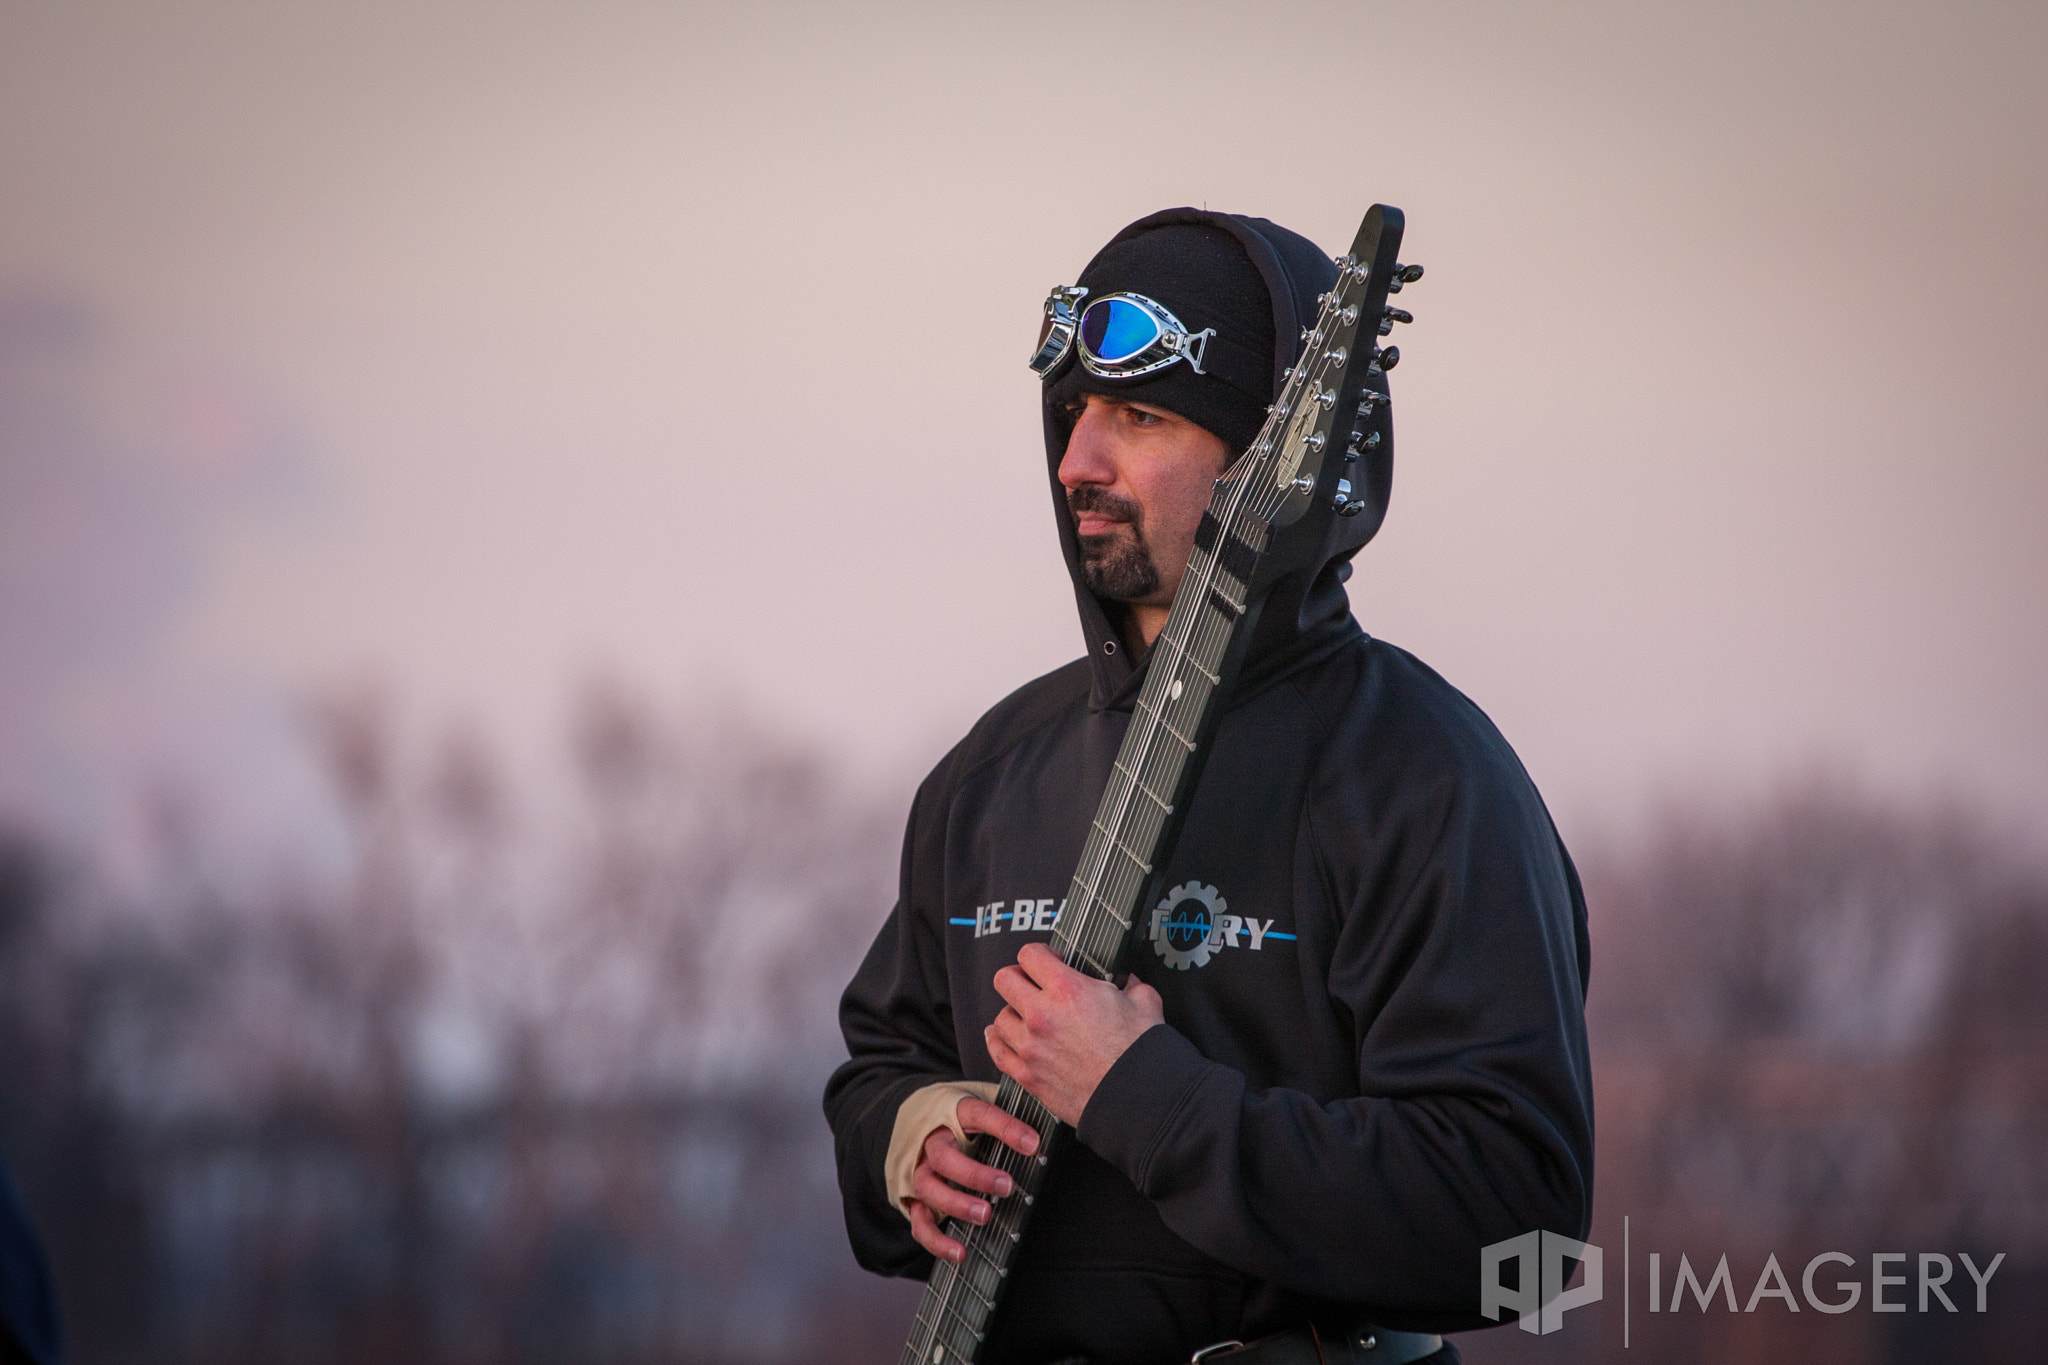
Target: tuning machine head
<point>1403,274</point>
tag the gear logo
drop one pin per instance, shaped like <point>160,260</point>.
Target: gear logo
<point>1187,928</point>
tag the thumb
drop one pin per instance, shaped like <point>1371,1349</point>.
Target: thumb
<point>1145,998</point>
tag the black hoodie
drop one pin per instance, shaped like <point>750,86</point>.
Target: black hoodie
<point>1373,962</point>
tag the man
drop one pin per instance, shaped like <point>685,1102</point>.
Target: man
<point>1352,1052</point>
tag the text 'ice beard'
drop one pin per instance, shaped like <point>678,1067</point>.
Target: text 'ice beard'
<point>1117,565</point>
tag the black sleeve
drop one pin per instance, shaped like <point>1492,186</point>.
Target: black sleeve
<point>899,1038</point>
<point>1461,955</point>
<point>29,1329</point>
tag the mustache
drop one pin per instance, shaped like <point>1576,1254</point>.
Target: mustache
<point>1102,502</point>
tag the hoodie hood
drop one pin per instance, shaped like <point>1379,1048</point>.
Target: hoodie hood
<point>1305,613</point>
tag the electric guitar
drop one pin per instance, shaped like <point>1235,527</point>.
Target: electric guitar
<point>1271,514</point>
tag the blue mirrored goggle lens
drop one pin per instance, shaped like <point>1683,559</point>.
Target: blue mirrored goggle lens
<point>1116,329</point>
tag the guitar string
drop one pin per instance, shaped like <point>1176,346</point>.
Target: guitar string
<point>1161,709</point>
<point>1201,632</point>
<point>984,1282</point>
<point>1197,639</point>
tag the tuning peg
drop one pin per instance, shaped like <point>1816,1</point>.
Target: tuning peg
<point>1384,360</point>
<point>1342,503</point>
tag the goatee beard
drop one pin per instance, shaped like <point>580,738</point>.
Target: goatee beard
<point>1117,565</point>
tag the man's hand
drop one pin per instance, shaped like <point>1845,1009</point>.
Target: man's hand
<point>1063,1029</point>
<point>941,1162</point>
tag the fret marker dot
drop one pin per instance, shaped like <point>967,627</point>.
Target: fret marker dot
<point>938,1354</point>
<point>1176,689</point>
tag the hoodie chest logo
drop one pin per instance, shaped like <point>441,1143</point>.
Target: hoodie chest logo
<point>1192,924</point>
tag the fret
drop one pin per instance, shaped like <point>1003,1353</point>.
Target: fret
<point>1122,848</point>
<point>1227,549</point>
<point>1092,894</point>
<point>1160,716</point>
<point>1165,807</point>
<point>1181,649</point>
<point>1116,842</point>
<point>946,1305</point>
<point>975,1248</point>
<point>939,1349</point>
<point>960,1277</point>
<point>1217,594</point>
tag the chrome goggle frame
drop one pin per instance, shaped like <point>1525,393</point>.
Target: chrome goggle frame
<point>1064,329</point>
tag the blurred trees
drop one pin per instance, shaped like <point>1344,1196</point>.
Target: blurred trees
<point>1818,1024</point>
<point>533,1073</point>
<point>523,1082</point>
<point>1822,1022</point>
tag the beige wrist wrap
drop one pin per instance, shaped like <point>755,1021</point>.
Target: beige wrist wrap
<point>917,1118</point>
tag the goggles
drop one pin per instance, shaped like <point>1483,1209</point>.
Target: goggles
<point>1120,336</point>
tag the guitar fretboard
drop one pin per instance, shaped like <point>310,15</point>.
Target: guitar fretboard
<point>1102,912</point>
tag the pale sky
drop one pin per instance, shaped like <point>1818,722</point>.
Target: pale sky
<point>477,347</point>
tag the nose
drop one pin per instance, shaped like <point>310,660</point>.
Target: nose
<point>1087,458</point>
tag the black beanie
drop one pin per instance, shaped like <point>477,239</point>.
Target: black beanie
<point>1203,277</point>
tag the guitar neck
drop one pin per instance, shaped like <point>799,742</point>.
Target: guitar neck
<point>1132,832</point>
<point>1156,767</point>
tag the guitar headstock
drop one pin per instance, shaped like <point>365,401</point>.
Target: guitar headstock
<point>1332,420</point>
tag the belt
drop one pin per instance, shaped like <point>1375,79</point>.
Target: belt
<point>1363,1345</point>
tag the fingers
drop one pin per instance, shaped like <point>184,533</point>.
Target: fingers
<point>948,1162</point>
<point>924,1228</point>
<point>1005,1057</point>
<point>1145,998</point>
<point>946,1200</point>
<point>948,1183</point>
<point>1038,970</point>
<point>1042,964</point>
<point>979,1116</point>
<point>1017,989</point>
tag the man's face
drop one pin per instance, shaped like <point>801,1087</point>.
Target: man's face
<point>1138,479</point>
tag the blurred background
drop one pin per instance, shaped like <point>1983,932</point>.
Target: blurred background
<point>500,505</point>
